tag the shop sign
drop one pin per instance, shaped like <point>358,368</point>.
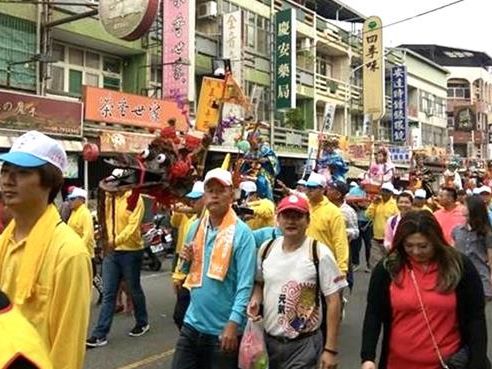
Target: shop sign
<point>373,71</point>
<point>464,118</point>
<point>285,59</point>
<point>399,94</point>
<point>124,142</point>
<point>400,154</point>
<point>211,94</point>
<point>25,112</point>
<point>110,106</point>
<point>176,49</point>
<point>328,117</point>
<point>128,19</point>
<point>232,50</point>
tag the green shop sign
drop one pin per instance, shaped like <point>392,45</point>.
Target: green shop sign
<point>285,59</point>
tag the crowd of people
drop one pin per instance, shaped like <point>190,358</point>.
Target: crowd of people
<point>242,258</point>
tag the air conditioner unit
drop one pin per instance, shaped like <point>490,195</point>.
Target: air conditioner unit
<point>305,43</point>
<point>207,10</point>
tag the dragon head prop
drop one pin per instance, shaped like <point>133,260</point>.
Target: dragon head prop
<point>166,169</point>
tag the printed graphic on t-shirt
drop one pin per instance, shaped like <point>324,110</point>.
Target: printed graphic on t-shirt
<point>297,311</point>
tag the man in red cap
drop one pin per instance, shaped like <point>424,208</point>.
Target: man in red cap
<point>291,301</point>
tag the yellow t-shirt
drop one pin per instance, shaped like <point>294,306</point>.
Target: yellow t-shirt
<point>379,214</point>
<point>327,225</point>
<point>127,234</point>
<point>81,222</point>
<point>185,227</point>
<point>264,214</point>
<point>60,305</point>
<point>19,338</point>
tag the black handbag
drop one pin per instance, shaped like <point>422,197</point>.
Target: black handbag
<point>458,360</point>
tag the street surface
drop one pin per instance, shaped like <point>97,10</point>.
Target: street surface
<point>155,349</point>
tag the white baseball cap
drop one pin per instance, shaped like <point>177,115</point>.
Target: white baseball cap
<point>353,184</point>
<point>248,186</point>
<point>420,193</point>
<point>476,191</point>
<point>388,186</point>
<point>316,180</point>
<point>485,189</point>
<point>77,192</point>
<point>221,175</point>
<point>34,149</point>
<point>197,191</point>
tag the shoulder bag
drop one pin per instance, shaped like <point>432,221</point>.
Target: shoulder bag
<point>460,359</point>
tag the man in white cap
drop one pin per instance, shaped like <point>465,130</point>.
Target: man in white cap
<point>44,267</point>
<point>263,209</point>
<point>381,209</point>
<point>485,193</point>
<point>81,219</point>
<point>182,219</point>
<point>221,252</point>
<point>420,200</point>
<point>327,222</point>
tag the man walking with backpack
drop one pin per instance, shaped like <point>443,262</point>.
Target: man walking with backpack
<point>291,301</point>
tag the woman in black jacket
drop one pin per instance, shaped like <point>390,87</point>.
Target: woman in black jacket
<point>421,274</point>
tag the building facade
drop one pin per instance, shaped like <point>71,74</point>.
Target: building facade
<point>469,100</point>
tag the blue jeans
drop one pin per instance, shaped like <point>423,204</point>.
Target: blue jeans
<point>116,266</point>
<point>195,350</point>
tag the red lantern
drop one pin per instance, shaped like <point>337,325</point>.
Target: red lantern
<point>90,152</point>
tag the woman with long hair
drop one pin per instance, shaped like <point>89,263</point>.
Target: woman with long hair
<point>474,239</point>
<point>429,300</point>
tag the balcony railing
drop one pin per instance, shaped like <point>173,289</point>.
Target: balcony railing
<point>290,140</point>
<point>337,89</point>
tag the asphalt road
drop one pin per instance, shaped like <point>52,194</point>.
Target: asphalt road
<point>155,349</point>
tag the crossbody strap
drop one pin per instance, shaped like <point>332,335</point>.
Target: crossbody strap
<point>426,318</point>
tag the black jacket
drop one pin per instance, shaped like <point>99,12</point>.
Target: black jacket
<point>471,316</point>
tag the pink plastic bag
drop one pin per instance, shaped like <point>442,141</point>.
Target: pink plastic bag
<point>252,350</point>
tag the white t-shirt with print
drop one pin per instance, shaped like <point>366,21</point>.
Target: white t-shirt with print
<point>290,287</point>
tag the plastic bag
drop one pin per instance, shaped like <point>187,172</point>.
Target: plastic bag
<point>252,350</point>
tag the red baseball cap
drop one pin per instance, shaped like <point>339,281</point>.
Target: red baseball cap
<point>293,202</point>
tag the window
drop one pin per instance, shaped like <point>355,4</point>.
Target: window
<point>75,82</point>
<point>76,57</point>
<point>92,79</point>
<point>263,102</point>
<point>77,67</point>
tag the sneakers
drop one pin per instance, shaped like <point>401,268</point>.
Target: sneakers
<point>138,331</point>
<point>96,342</point>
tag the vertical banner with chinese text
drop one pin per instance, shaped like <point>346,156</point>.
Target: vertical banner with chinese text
<point>328,117</point>
<point>176,49</point>
<point>399,116</point>
<point>373,70</point>
<point>285,59</point>
<point>207,115</point>
<point>232,50</point>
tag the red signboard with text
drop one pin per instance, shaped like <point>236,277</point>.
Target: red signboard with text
<point>25,112</point>
<point>110,106</point>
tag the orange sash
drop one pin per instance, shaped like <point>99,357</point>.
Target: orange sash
<point>221,252</point>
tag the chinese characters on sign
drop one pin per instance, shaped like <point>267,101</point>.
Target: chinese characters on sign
<point>373,70</point>
<point>120,108</point>
<point>285,59</point>
<point>328,117</point>
<point>399,117</point>
<point>24,112</point>
<point>399,154</point>
<point>176,49</point>
<point>232,50</point>
<point>209,103</point>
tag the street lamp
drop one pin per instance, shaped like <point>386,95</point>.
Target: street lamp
<point>42,58</point>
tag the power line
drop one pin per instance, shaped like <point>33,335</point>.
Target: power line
<point>417,15</point>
